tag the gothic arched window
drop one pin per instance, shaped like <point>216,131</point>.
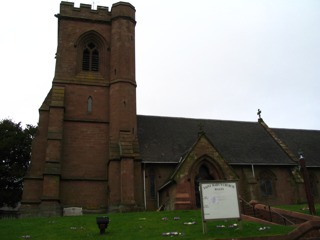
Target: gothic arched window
<point>267,183</point>
<point>266,187</point>
<point>90,58</point>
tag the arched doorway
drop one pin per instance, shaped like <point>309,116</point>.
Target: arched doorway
<point>204,174</point>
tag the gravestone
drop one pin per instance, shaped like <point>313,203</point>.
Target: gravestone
<point>72,211</point>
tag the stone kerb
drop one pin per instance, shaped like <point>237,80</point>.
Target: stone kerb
<point>72,211</point>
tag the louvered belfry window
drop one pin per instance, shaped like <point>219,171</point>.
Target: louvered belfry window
<point>90,58</point>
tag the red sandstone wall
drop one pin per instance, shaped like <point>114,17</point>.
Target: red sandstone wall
<point>285,189</point>
<point>162,173</point>
<point>91,195</point>
<point>114,183</point>
<point>39,146</point>
<point>32,185</point>
<point>76,103</point>
<point>69,55</point>
<point>138,190</point>
<point>71,158</point>
<point>85,151</point>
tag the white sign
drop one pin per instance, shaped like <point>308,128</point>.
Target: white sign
<point>219,200</point>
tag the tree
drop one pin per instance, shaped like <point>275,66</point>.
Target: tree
<point>15,157</point>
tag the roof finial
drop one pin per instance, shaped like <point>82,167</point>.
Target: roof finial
<point>259,113</point>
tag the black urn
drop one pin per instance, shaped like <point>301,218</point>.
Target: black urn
<point>102,223</point>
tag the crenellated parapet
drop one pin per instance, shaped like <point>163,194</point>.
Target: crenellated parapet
<point>102,13</point>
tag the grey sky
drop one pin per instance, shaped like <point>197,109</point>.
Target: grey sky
<point>201,59</point>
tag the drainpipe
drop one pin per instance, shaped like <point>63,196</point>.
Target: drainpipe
<point>252,168</point>
<point>144,187</point>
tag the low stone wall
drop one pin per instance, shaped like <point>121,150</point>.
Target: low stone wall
<point>281,216</point>
<point>307,226</point>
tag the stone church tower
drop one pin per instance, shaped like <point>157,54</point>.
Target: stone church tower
<point>86,151</point>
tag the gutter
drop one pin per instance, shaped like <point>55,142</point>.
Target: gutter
<point>263,164</point>
<point>160,162</point>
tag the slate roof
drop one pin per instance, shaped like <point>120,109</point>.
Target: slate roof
<point>167,139</point>
<point>307,141</point>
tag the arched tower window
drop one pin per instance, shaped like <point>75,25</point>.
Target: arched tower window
<point>93,55</point>
<point>89,104</point>
<point>90,58</point>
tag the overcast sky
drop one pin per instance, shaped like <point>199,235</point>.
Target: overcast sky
<point>212,59</point>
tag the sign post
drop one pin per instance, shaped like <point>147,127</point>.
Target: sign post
<point>219,200</point>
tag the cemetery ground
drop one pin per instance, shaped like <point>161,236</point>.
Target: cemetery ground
<point>137,225</point>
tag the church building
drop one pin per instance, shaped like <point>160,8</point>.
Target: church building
<point>93,151</point>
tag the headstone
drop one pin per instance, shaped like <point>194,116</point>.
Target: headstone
<point>72,211</point>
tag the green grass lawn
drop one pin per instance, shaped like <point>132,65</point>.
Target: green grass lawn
<point>138,225</point>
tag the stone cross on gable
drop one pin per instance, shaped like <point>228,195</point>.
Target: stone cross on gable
<point>259,113</point>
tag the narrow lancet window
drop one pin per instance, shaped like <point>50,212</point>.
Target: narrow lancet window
<point>89,104</point>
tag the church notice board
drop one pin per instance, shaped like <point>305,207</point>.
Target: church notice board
<point>219,200</point>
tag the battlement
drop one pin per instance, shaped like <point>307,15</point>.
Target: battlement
<point>102,13</point>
